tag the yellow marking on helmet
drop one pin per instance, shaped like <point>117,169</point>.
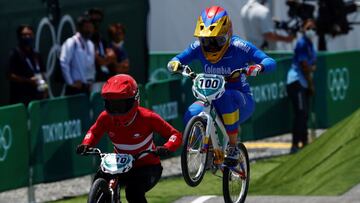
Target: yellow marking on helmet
<point>231,118</point>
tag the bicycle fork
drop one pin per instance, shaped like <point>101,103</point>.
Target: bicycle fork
<point>212,138</point>
<point>114,191</point>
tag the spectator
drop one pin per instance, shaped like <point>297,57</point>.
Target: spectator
<point>77,59</point>
<point>26,69</point>
<point>300,84</point>
<point>258,25</point>
<point>103,55</point>
<point>117,35</point>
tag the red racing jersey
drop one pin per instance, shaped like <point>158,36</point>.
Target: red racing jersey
<point>135,137</point>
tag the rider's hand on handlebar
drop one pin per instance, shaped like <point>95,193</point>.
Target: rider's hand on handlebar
<point>174,66</point>
<point>162,151</point>
<point>254,70</point>
<point>81,149</point>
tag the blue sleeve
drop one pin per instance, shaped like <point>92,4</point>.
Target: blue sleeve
<point>122,55</point>
<point>188,54</point>
<point>259,57</point>
<point>301,53</point>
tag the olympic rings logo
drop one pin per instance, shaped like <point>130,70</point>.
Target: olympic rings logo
<point>338,82</point>
<point>55,49</point>
<point>5,141</point>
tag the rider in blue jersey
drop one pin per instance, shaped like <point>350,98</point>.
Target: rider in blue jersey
<point>221,52</point>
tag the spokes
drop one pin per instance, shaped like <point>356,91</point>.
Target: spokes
<point>196,156</point>
<point>238,179</point>
<point>100,199</point>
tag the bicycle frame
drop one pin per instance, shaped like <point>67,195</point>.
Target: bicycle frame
<point>213,120</point>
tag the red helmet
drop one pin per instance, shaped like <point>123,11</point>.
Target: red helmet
<point>121,96</point>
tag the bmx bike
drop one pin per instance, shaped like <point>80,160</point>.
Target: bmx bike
<point>106,186</point>
<point>202,148</point>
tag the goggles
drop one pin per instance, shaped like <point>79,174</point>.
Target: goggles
<point>213,44</point>
<point>119,106</point>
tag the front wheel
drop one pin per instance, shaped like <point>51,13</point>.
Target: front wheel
<point>236,179</point>
<point>194,155</point>
<point>99,192</point>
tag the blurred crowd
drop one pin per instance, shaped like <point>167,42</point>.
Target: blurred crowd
<point>87,59</point>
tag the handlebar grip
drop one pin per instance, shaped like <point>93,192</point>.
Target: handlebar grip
<point>143,152</point>
<point>236,73</point>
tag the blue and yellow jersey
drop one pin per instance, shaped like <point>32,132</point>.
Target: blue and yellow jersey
<point>239,55</point>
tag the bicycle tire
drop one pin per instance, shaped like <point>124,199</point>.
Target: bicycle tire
<point>195,180</point>
<point>229,177</point>
<point>99,192</point>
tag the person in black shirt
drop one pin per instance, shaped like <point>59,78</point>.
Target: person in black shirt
<point>26,69</point>
<point>116,33</point>
<point>103,55</point>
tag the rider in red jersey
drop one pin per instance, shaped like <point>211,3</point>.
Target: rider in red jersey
<point>131,129</point>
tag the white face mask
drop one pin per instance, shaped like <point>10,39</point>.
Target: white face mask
<point>119,44</point>
<point>310,34</point>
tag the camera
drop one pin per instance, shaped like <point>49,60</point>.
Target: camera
<point>298,12</point>
<point>292,26</point>
<point>332,16</point>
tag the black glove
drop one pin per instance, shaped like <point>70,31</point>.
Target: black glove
<point>81,149</point>
<point>162,151</point>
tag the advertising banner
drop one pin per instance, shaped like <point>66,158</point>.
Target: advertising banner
<point>14,147</point>
<point>57,126</point>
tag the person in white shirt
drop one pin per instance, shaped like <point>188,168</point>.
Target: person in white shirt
<point>77,59</point>
<point>258,25</point>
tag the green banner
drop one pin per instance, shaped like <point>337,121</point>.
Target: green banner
<point>337,93</point>
<point>14,147</point>
<point>269,93</point>
<point>166,99</point>
<point>57,126</point>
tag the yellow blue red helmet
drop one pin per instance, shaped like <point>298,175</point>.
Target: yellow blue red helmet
<point>214,30</point>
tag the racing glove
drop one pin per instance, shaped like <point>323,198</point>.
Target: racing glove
<point>174,66</point>
<point>81,149</point>
<point>254,70</point>
<point>162,151</point>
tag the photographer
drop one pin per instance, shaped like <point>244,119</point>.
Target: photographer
<point>258,25</point>
<point>26,70</point>
<point>300,86</point>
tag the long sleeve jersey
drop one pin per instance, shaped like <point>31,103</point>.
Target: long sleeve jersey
<point>135,137</point>
<point>239,55</point>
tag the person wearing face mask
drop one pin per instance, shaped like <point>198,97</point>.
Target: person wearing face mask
<point>26,69</point>
<point>117,35</point>
<point>259,27</point>
<point>103,55</point>
<point>77,59</point>
<point>300,85</point>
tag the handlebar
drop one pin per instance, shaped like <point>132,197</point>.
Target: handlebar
<point>93,151</point>
<point>187,72</point>
<point>97,151</point>
<point>136,156</point>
